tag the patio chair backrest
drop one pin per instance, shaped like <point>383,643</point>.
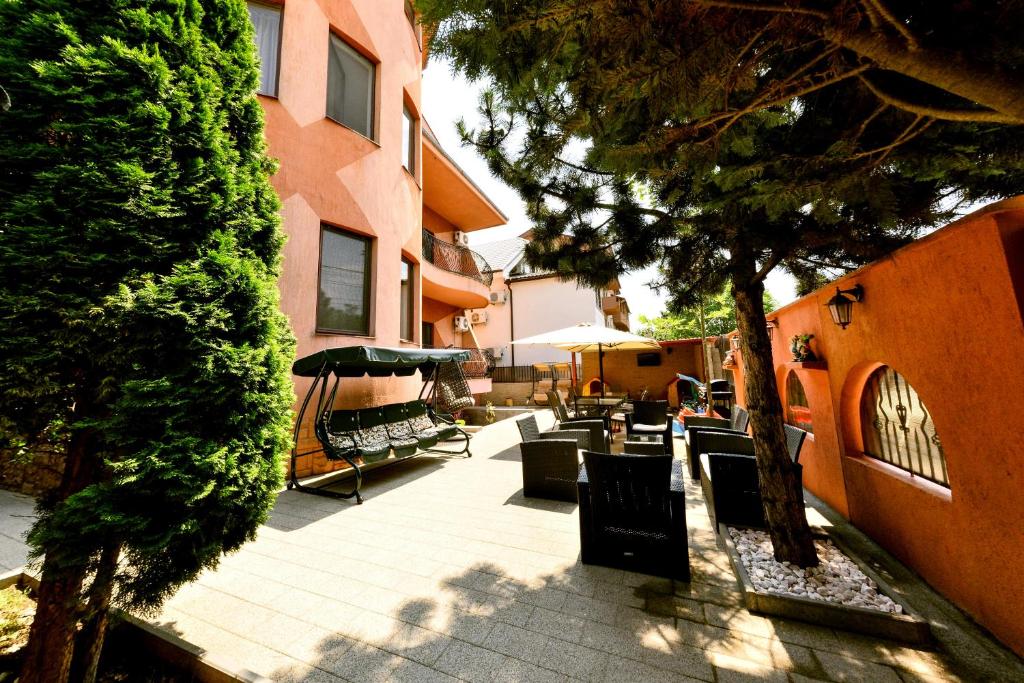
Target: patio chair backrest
<point>643,448</point>
<point>629,492</point>
<point>581,436</point>
<point>650,412</point>
<point>794,441</point>
<point>720,442</point>
<point>558,406</point>
<point>528,429</point>
<point>740,418</point>
<point>596,428</point>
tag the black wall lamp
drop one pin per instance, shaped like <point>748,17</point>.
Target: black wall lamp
<point>841,305</point>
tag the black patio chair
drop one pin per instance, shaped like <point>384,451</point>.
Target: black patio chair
<point>562,414</point>
<point>643,448</point>
<point>650,417</point>
<point>633,514</point>
<point>729,479</point>
<point>550,468</point>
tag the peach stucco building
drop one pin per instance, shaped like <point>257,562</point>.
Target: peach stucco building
<point>363,186</point>
<point>917,408</point>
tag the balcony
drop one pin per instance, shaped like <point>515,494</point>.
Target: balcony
<point>615,307</point>
<point>454,275</point>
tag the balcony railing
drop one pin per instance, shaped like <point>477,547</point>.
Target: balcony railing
<point>480,364</point>
<point>456,259</point>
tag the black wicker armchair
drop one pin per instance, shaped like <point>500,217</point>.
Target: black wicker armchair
<point>550,468</point>
<point>650,417</point>
<point>729,479</point>
<point>633,514</point>
<point>562,415</point>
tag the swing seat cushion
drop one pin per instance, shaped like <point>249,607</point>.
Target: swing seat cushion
<point>374,441</point>
<point>404,447</point>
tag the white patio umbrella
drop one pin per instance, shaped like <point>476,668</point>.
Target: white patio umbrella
<point>588,337</point>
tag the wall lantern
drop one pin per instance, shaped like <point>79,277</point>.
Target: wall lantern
<point>772,325</point>
<point>841,305</point>
<point>734,342</point>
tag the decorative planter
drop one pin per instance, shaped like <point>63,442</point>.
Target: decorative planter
<point>908,627</point>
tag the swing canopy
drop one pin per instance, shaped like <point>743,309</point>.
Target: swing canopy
<point>375,361</point>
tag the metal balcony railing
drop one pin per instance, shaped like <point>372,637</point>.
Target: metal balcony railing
<point>480,364</point>
<point>456,259</point>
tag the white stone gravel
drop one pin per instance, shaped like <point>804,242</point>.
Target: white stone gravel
<point>836,579</point>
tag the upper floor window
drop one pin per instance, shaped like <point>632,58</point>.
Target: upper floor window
<point>410,15</point>
<point>266,20</point>
<point>898,429</point>
<point>408,141</point>
<point>407,310</point>
<point>344,301</point>
<point>350,84</point>
<point>798,412</point>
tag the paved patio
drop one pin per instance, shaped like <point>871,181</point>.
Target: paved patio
<point>447,572</point>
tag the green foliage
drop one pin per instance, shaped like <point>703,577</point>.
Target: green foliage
<point>138,261</point>
<point>719,318</point>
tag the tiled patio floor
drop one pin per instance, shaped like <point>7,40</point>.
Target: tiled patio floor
<point>447,572</point>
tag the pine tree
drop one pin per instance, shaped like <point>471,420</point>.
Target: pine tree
<point>720,141</point>
<point>139,252</point>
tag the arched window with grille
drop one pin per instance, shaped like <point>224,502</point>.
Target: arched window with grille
<point>898,429</point>
<point>798,411</point>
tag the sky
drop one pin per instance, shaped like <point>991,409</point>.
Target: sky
<point>448,97</point>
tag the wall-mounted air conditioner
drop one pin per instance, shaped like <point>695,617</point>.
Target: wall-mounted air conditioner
<point>461,238</point>
<point>498,298</point>
<point>477,317</point>
<point>461,323</point>
<point>498,352</point>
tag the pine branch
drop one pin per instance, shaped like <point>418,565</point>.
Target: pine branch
<point>945,114</point>
<point>759,7</point>
<point>883,11</point>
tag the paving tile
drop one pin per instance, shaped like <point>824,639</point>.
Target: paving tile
<point>575,661</point>
<point>849,670</point>
<point>733,670</point>
<point>556,624</point>
<point>470,662</point>
<point>520,643</point>
<point>620,670</point>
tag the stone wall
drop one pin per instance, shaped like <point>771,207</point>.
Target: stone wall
<point>33,474</point>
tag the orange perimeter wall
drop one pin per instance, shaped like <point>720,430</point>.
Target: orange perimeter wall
<point>946,313</point>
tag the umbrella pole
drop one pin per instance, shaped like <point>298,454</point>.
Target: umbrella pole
<point>600,367</point>
<point>575,382</point>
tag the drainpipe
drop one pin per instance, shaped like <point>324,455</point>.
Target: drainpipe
<point>511,322</point>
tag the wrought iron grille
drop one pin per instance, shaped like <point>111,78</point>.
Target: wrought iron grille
<point>898,429</point>
<point>456,259</point>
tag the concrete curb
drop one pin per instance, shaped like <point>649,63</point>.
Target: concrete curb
<point>908,627</point>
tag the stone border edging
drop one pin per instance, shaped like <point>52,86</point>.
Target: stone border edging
<point>207,667</point>
<point>908,627</point>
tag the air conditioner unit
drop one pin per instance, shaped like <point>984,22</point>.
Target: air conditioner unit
<point>477,317</point>
<point>498,298</point>
<point>498,352</point>
<point>461,323</point>
<point>461,238</point>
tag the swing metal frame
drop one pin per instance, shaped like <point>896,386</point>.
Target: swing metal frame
<point>322,377</point>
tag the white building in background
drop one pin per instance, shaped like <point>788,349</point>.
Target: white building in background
<point>525,303</point>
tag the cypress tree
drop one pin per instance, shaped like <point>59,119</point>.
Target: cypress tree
<point>721,140</point>
<point>139,251</point>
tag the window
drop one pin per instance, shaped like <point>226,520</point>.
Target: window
<point>408,304</point>
<point>266,20</point>
<point>350,82</point>
<point>898,429</point>
<point>427,338</point>
<point>408,141</point>
<point>798,412</point>
<point>344,303</point>
<point>410,15</point>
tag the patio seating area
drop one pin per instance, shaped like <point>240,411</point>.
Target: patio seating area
<point>449,573</point>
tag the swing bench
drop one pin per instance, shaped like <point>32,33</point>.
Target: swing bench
<point>378,436</point>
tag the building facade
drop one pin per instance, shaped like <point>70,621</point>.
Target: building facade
<point>524,303</point>
<point>363,186</point>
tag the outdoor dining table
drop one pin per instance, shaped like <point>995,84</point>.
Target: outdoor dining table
<point>603,405</point>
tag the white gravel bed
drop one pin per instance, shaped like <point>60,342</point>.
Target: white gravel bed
<point>836,579</point>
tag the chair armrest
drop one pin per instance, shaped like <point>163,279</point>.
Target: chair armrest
<point>676,485</point>
<point>581,478</point>
<point>580,436</point>
<point>719,430</point>
<point>699,421</point>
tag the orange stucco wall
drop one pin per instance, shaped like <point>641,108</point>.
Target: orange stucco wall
<point>946,313</point>
<point>330,174</point>
<point>622,373</point>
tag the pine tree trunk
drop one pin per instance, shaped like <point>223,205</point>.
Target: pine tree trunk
<point>51,641</point>
<point>89,647</point>
<point>780,490</point>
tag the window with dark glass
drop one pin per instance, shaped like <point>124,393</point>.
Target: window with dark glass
<point>408,305</point>
<point>344,301</point>
<point>350,83</point>
<point>266,20</point>
<point>798,412</point>
<point>898,429</point>
<point>408,141</point>
<point>427,335</point>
